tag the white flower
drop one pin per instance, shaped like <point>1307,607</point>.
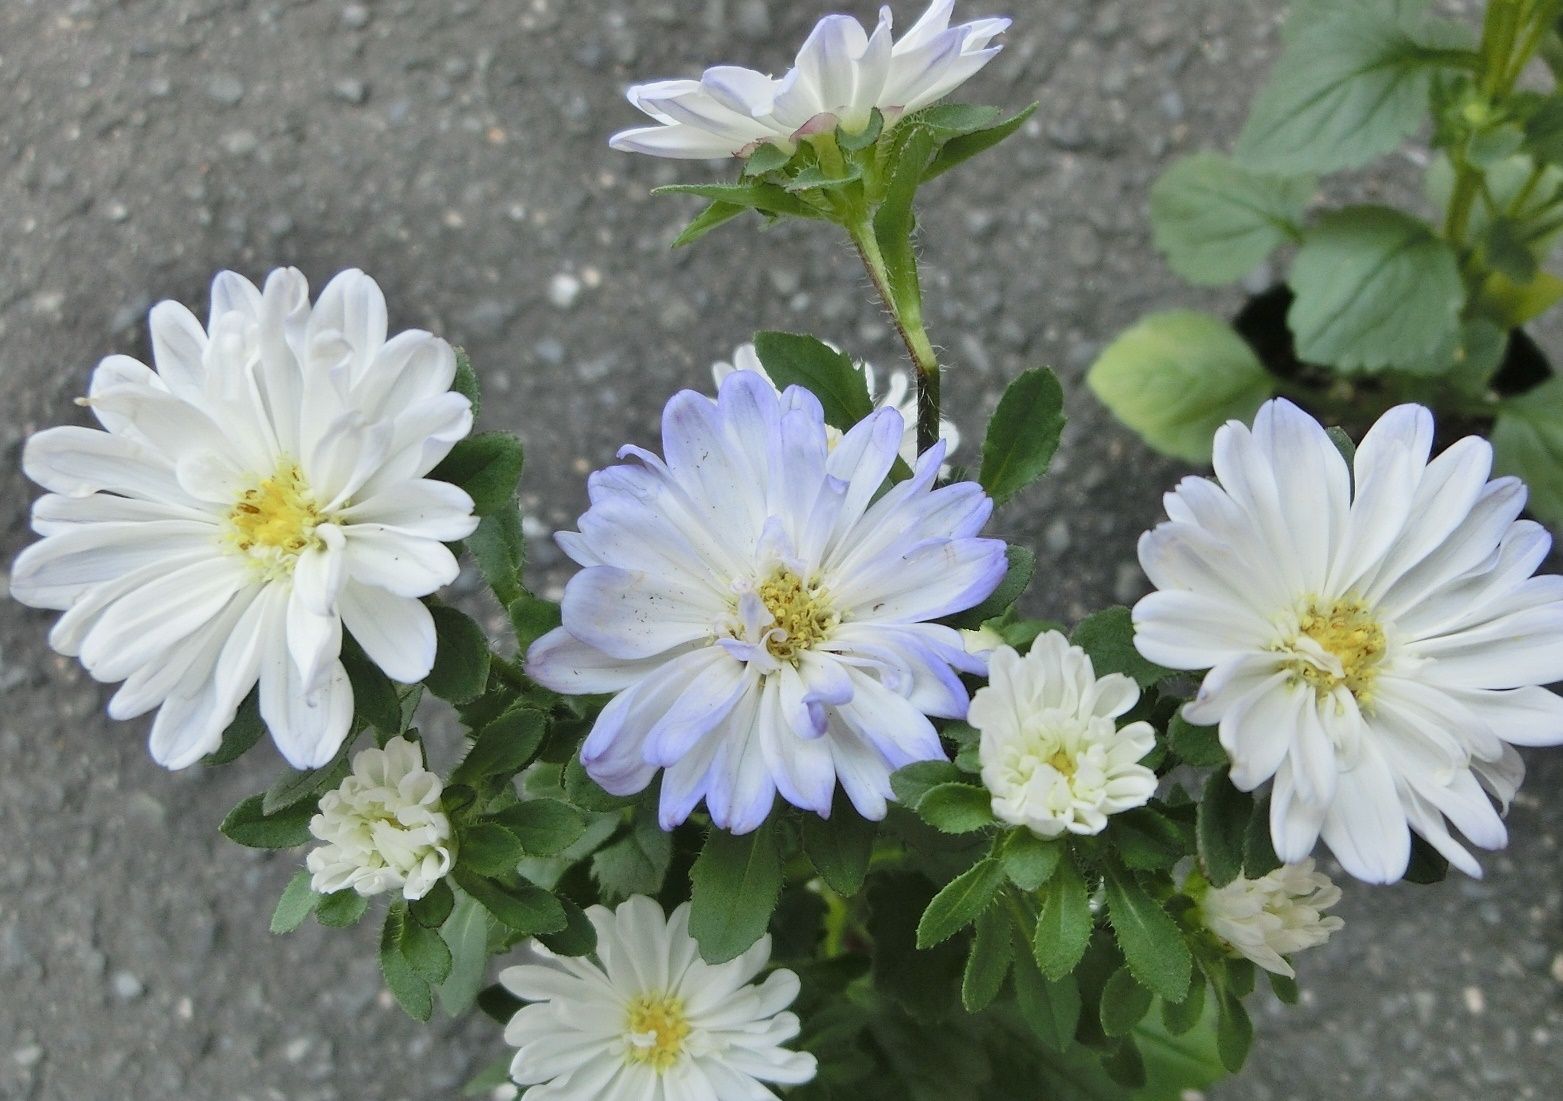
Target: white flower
<point>1274,916</point>
<point>899,395</point>
<point>259,491</point>
<point>761,608</point>
<point>840,77</point>
<point>1374,643</point>
<point>981,640</point>
<point>383,828</point>
<point>1052,756</point>
<point>649,1020</point>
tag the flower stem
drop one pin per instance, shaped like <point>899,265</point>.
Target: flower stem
<point>903,300</point>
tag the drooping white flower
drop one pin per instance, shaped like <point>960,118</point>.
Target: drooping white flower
<point>383,828</point>
<point>1272,917</point>
<point>1052,755</point>
<point>1375,642</point>
<point>648,1020</point>
<point>841,75</point>
<point>762,611</point>
<point>899,395</point>
<point>259,491</point>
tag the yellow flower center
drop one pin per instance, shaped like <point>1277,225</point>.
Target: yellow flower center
<point>1347,632</point>
<point>657,1029</point>
<point>275,520</point>
<point>803,614</point>
<point>1063,762</point>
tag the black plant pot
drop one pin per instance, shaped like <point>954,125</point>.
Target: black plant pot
<point>1356,401</point>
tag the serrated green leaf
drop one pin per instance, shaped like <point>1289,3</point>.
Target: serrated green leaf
<point>1022,564</point>
<point>434,908</point>
<point>1151,941</point>
<point>959,903</point>
<point>751,195</point>
<point>490,849</point>
<point>735,883</point>
<point>1064,922</point>
<point>526,909</point>
<point>637,863</point>
<point>428,954</point>
<point>1147,840</point>
<point>840,846</point>
<point>1528,443</point>
<point>1023,434</point>
<point>1108,638</point>
<point>987,964</point>
<point>1124,1003</point>
<point>1176,377</point>
<point>1351,84</point>
<point>1216,221</point>
<point>466,381</point>
<point>341,909</point>
<point>1180,1017</point>
<point>1029,860</point>
<point>462,659</point>
<point>544,827</point>
<point>500,551</point>
<point>766,158</point>
<point>960,149</point>
<point>411,989</point>
<point>715,214</point>
<point>1199,746</point>
<point>1259,858</point>
<point>487,466</point>
<point>792,359</point>
<point>1224,814</point>
<point>1376,288</point>
<point>250,826</point>
<point>1050,1007</point>
<point>532,617</point>
<point>502,747</point>
<point>298,901</point>
<point>915,780</point>
<point>294,787</point>
<point>242,734</point>
<point>956,808</point>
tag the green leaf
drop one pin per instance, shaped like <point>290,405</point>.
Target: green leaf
<point>1023,434</point>
<point>959,903</point>
<point>1259,858</point>
<point>532,617</point>
<point>1544,131</point>
<point>960,149</point>
<point>1151,941</point>
<point>500,550</point>
<point>1216,220</point>
<point>375,698</point>
<point>915,780</point>
<point>411,989</point>
<point>766,158</point>
<point>294,787</point>
<point>429,955</point>
<point>1234,1034</point>
<point>895,220</point>
<point>767,198</point>
<point>1507,250</point>
<point>1528,443</point>
<point>1029,860</point>
<point>840,846</point>
<point>1124,1003</point>
<point>1064,923</point>
<point>584,792</point>
<point>1125,1065</point>
<point>245,730</point>
<point>956,808</point>
<point>1147,840</point>
<point>466,933</point>
<point>490,849</point>
<point>1199,746</point>
<point>1427,865</point>
<point>434,908</point>
<point>1176,377</point>
<point>250,826</point>
<point>735,883</point>
<point>1284,988</point>
<point>1224,814</point>
<point>1180,1017</point>
<point>1022,564</point>
<point>461,662</point>
<point>577,938</point>
<point>952,120</point>
<point>637,863</point>
<point>527,910</point>
<point>1108,637</point>
<point>992,950</point>
<point>487,466</point>
<point>544,827</point>
<point>1051,1008</point>
<point>466,381</point>
<point>1376,288</point>
<point>341,909</point>
<point>1351,84</point>
<point>298,901</point>
<point>1345,445</point>
<point>503,747</point>
<point>715,214</point>
<point>792,359</point>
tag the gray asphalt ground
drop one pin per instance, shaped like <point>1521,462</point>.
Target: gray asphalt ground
<point>456,150</point>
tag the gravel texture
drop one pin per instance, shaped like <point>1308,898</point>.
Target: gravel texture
<point>456,151</point>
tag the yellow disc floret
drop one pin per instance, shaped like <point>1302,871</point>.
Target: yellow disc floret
<point>803,614</point>
<point>274,521</point>
<point>657,1030</point>
<point>1352,642</point>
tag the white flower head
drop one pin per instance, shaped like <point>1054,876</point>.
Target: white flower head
<point>648,1020</point>
<point>1375,637</point>
<point>763,610</point>
<point>261,489</point>
<point>899,395</point>
<point>383,829</point>
<point>1272,917</point>
<point>1052,755</point>
<point>841,76</point>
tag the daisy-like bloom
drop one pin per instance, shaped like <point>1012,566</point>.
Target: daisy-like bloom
<point>261,489</point>
<point>649,1020</point>
<point>1375,637</point>
<point>842,74</point>
<point>1052,754</point>
<point>1272,917</point>
<point>383,828</point>
<point>761,615</point>
<point>899,395</point>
